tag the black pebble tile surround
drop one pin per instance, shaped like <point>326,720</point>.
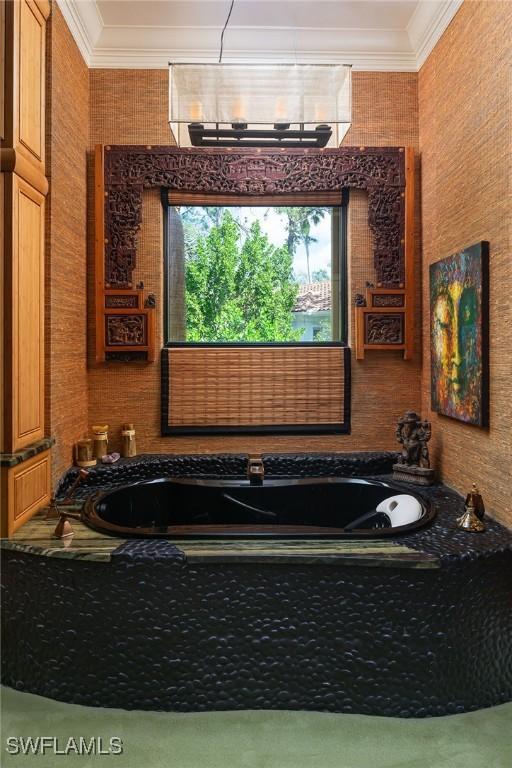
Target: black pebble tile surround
<point>148,466</point>
<point>151,630</point>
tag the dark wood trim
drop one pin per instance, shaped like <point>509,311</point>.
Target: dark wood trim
<point>164,392</point>
<point>216,344</point>
<point>99,252</point>
<point>485,334</point>
<point>409,253</point>
<point>341,204</point>
<point>347,391</point>
<point>270,429</point>
<point>303,199</point>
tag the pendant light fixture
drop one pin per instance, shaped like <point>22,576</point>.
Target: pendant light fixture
<point>259,105</point>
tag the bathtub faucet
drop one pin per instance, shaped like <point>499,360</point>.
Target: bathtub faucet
<point>63,528</point>
<point>255,470</point>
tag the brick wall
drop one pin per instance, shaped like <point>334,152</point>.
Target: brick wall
<point>67,135</point>
<point>465,141</point>
<point>131,107</point>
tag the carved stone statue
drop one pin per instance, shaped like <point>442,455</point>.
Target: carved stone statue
<point>413,464</point>
<point>414,434</point>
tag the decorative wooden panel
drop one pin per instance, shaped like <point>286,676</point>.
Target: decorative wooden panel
<point>123,172</point>
<point>25,489</point>
<point>130,169</point>
<point>123,299</point>
<point>25,82</point>
<point>130,330</point>
<point>125,329</point>
<point>381,320</point>
<point>255,389</point>
<point>378,323</point>
<point>387,299</point>
<point>384,328</point>
<point>31,82</point>
<point>25,288</point>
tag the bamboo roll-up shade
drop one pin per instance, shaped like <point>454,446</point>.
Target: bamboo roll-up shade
<point>317,199</point>
<point>253,386</point>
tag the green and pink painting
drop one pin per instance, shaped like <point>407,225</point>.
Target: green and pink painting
<point>459,330</point>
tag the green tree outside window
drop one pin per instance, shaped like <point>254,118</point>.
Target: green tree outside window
<point>238,286</point>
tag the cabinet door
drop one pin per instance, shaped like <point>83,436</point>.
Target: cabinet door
<point>26,284</point>
<point>25,489</point>
<point>25,80</point>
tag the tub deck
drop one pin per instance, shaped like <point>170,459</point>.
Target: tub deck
<point>36,538</point>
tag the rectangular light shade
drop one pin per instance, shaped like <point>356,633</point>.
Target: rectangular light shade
<point>259,95</point>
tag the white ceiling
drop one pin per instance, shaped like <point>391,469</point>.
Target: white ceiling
<point>387,35</point>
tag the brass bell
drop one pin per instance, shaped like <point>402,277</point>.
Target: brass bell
<point>476,500</point>
<point>470,521</point>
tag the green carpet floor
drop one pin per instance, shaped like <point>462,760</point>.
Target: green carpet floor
<point>259,739</point>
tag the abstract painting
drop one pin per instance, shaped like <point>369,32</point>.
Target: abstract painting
<point>459,330</point>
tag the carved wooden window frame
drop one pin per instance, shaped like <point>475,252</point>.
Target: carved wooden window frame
<point>122,172</point>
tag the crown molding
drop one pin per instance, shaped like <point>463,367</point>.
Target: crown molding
<point>85,24</point>
<point>392,50</point>
<point>362,61</point>
<point>427,25</point>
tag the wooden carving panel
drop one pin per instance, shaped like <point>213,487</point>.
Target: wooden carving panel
<point>384,328</point>
<point>376,326</point>
<point>388,300</point>
<point>129,330</point>
<point>381,320</point>
<point>385,173</point>
<point>121,301</point>
<point>130,169</point>
<point>250,389</point>
<point>125,330</point>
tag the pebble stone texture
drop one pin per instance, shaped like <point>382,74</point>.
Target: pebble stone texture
<point>148,466</point>
<point>150,630</point>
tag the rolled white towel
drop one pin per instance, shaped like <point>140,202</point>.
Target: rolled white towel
<point>401,509</point>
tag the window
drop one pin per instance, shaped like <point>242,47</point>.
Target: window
<point>262,274</point>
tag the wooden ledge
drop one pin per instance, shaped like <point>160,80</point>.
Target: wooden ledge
<point>12,161</point>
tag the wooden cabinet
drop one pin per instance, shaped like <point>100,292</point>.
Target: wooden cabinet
<point>25,485</point>
<point>24,286</point>
<point>25,489</point>
<point>24,82</point>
